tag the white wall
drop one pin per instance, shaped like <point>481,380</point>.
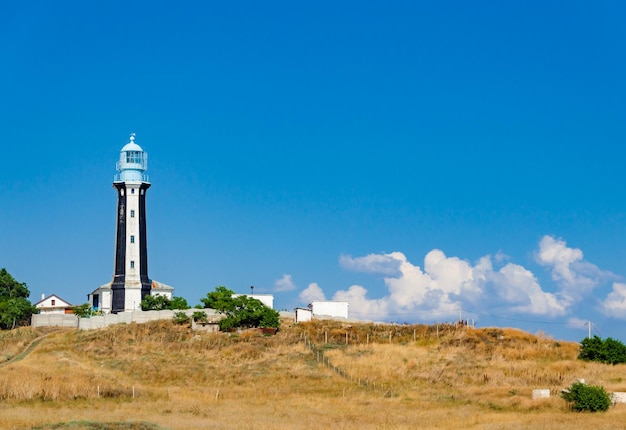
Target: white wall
<point>266,299</point>
<point>54,320</point>
<point>303,315</point>
<point>139,317</point>
<point>330,309</point>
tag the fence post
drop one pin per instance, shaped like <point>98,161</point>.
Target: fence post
<point>346,338</point>
<point>325,337</point>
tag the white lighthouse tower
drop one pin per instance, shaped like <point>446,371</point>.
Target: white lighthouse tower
<point>130,279</point>
<point>130,284</point>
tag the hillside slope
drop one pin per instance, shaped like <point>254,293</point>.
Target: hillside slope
<point>321,374</point>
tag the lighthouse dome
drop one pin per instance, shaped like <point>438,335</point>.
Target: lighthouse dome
<point>131,146</point>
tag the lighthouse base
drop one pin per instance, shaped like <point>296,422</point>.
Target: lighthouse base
<point>114,298</point>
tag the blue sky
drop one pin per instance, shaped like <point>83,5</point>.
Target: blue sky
<point>412,158</point>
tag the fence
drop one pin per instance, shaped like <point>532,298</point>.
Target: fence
<point>366,383</point>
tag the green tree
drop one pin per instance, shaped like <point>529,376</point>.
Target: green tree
<point>240,311</point>
<point>584,397</point>
<point>15,311</point>
<point>179,303</point>
<point>155,303</point>
<point>591,349</point>
<point>159,303</point>
<point>15,308</point>
<point>614,351</point>
<point>83,311</point>
<point>221,299</point>
<point>609,350</point>
<point>10,288</point>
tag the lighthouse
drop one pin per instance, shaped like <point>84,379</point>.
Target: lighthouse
<point>130,277</point>
<point>130,283</point>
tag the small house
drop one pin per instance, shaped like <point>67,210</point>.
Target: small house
<point>53,304</point>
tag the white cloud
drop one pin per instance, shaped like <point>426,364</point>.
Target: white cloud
<point>576,323</point>
<point>519,290</point>
<point>615,303</point>
<point>355,295</point>
<point>380,264</point>
<point>284,284</point>
<point>575,277</point>
<point>312,293</point>
<point>493,284</point>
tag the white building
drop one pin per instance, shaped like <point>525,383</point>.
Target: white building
<point>53,304</point>
<point>330,309</point>
<point>303,315</point>
<point>130,283</point>
<point>266,299</point>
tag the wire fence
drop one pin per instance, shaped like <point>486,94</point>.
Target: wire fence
<point>383,389</point>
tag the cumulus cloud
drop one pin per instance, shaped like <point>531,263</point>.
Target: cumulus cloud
<point>520,291</point>
<point>312,293</point>
<point>443,284</point>
<point>615,303</point>
<point>380,264</point>
<point>575,277</point>
<point>576,323</point>
<point>284,284</point>
<point>355,295</point>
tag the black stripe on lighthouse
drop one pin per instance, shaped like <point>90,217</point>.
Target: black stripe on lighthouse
<point>119,275</point>
<point>146,283</point>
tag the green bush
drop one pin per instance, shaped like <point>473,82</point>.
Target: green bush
<point>83,311</point>
<point>584,397</point>
<point>609,351</point>
<point>159,303</point>
<point>199,316</point>
<point>240,310</point>
<point>181,318</point>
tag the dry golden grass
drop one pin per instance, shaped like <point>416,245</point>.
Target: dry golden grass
<point>13,342</point>
<point>463,378</point>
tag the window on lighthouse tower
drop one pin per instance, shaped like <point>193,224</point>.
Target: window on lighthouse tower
<point>132,239</point>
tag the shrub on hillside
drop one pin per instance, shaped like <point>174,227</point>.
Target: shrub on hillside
<point>199,316</point>
<point>180,318</point>
<point>609,351</point>
<point>584,397</point>
<point>240,311</point>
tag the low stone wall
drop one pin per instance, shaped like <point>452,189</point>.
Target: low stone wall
<point>54,320</point>
<point>101,321</point>
<point>135,317</point>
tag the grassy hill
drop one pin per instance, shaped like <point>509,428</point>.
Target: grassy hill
<point>321,374</point>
